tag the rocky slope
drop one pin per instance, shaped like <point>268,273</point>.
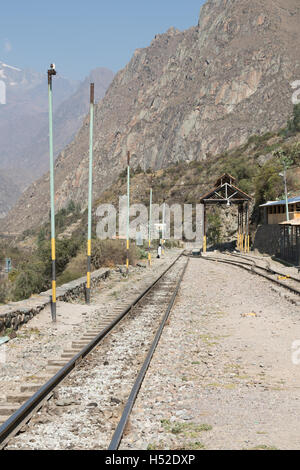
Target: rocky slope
<point>188,96</point>
<point>255,165</point>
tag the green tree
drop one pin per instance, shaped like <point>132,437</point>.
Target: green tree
<point>30,280</point>
<point>214,228</point>
<point>268,183</point>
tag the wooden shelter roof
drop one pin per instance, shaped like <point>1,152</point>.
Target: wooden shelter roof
<point>225,191</point>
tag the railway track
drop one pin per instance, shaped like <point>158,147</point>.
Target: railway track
<point>145,316</point>
<point>251,264</point>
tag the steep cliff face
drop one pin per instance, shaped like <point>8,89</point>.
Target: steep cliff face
<point>188,96</point>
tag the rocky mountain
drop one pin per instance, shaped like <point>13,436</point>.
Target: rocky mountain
<point>188,96</point>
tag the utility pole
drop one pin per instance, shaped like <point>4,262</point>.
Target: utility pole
<point>51,73</point>
<point>163,227</point>
<point>90,197</point>
<point>286,195</point>
<point>149,227</point>
<point>128,211</point>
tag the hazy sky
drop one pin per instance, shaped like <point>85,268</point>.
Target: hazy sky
<point>81,35</point>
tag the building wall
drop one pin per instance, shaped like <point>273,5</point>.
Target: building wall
<point>277,214</point>
<point>267,239</point>
<point>278,218</point>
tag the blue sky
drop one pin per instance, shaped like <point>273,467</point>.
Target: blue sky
<point>81,35</point>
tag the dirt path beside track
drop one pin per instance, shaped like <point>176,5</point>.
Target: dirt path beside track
<point>225,374</point>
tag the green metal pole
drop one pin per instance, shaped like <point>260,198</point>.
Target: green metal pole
<point>163,229</point>
<point>52,72</point>
<point>149,228</point>
<point>286,196</point>
<point>128,211</point>
<point>90,197</point>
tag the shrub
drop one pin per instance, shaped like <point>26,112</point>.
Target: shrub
<point>3,292</point>
<point>214,228</point>
<point>30,280</point>
<point>65,250</point>
<point>112,252</point>
<point>268,183</point>
<point>75,269</point>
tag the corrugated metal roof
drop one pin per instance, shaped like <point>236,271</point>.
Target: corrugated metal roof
<point>279,203</point>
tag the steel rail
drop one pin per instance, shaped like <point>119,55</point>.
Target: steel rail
<point>23,414</point>
<point>117,436</point>
<point>252,269</point>
<point>267,269</point>
<point>252,258</point>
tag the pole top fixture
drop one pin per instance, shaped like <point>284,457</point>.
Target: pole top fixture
<point>51,72</point>
<point>128,158</point>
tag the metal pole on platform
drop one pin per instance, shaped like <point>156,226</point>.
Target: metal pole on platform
<point>248,229</point>
<point>149,228</point>
<point>242,228</point>
<point>163,227</point>
<point>51,73</point>
<point>204,229</point>
<point>90,197</point>
<point>128,211</point>
<point>238,231</point>
<point>286,196</point>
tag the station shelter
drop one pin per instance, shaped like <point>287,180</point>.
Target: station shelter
<point>225,192</point>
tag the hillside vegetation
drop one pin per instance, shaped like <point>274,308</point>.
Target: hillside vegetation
<point>256,166</point>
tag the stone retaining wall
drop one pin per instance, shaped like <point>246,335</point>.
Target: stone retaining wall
<point>14,314</point>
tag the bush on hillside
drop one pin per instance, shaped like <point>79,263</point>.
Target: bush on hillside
<point>65,250</point>
<point>268,183</point>
<point>111,253</point>
<point>3,292</point>
<point>76,268</point>
<point>30,280</point>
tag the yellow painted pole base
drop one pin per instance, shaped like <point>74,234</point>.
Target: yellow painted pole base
<point>204,244</point>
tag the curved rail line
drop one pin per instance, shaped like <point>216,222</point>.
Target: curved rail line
<point>22,415</point>
<point>290,282</point>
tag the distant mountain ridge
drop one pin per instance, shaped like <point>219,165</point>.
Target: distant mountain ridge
<point>24,122</point>
<point>188,96</point>
<point>67,120</point>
